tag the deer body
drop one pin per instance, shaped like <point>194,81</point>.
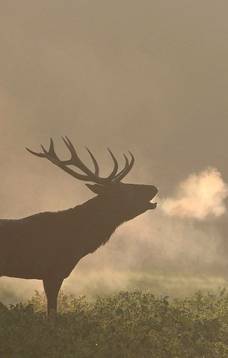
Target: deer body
<point>48,245</point>
<point>39,243</point>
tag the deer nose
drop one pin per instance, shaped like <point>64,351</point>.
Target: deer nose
<point>154,189</point>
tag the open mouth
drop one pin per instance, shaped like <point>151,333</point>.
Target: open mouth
<point>151,204</point>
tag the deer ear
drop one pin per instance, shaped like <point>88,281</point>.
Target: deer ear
<point>96,188</point>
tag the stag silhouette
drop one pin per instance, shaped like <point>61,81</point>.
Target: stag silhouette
<point>48,245</point>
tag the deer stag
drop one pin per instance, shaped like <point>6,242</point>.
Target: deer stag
<point>48,245</point>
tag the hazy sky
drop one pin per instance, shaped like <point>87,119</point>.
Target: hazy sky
<point>149,76</point>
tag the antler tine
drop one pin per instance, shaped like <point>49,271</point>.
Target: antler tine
<point>132,158</point>
<point>41,155</point>
<point>75,160</point>
<point>115,169</point>
<point>128,166</point>
<point>70,146</point>
<point>51,148</point>
<point>45,152</point>
<point>96,166</point>
<point>50,153</point>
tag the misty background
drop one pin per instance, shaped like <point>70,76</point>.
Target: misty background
<point>146,76</point>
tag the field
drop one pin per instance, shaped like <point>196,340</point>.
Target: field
<point>125,325</point>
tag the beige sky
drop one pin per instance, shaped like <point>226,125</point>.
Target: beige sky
<point>149,76</point>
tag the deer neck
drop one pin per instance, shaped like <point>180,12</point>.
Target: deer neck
<point>99,214</point>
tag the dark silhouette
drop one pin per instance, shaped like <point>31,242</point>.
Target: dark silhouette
<point>48,245</point>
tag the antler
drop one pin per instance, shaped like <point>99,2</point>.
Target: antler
<point>88,175</point>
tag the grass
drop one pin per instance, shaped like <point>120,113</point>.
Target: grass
<point>124,325</point>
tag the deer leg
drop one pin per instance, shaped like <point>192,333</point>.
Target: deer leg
<point>51,288</point>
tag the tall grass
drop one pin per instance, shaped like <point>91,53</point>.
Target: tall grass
<point>128,324</point>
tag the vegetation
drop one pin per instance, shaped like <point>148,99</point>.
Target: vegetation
<point>125,325</point>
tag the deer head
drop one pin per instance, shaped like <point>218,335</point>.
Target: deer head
<point>127,200</point>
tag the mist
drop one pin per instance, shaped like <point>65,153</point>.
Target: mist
<point>200,196</point>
